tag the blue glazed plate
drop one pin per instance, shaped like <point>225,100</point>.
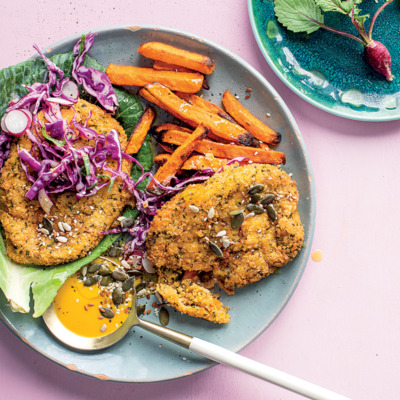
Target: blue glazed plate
<point>329,70</point>
<point>141,356</point>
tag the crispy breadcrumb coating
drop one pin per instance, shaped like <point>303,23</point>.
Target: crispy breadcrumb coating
<point>180,233</point>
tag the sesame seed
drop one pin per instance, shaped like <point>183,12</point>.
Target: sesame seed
<point>67,227</point>
<point>221,233</point>
<point>103,328</point>
<point>194,208</point>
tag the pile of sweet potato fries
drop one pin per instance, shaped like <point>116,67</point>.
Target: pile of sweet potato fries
<point>213,135</point>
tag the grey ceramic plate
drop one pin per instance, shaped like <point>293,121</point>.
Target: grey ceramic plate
<point>142,357</point>
<point>329,70</point>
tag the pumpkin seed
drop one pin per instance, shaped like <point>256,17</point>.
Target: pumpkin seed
<point>104,270</point>
<point>106,280</point>
<point>94,267</point>
<point>136,272</point>
<point>237,211</point>
<point>140,309</point>
<point>128,284</point>
<point>215,249</point>
<point>114,251</point>
<point>62,239</point>
<point>47,224</point>
<point>117,296</point>
<point>256,198</point>
<point>119,275</point>
<point>84,270</point>
<point>268,199</point>
<point>237,221</point>
<point>256,189</point>
<point>271,212</point>
<point>255,208</point>
<point>127,222</point>
<point>106,312</point>
<point>141,286</point>
<point>91,280</point>
<point>159,297</point>
<point>164,316</point>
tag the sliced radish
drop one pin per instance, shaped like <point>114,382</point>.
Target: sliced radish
<point>70,90</point>
<point>60,101</point>
<point>28,114</point>
<point>45,201</point>
<point>3,125</point>
<point>16,122</point>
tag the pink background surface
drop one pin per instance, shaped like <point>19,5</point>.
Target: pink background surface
<point>341,327</point>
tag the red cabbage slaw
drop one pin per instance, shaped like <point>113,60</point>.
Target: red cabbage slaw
<point>53,164</point>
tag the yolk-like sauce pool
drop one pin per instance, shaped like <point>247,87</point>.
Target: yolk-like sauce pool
<point>77,307</point>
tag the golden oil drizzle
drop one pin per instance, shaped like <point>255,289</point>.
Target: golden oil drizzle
<point>317,255</point>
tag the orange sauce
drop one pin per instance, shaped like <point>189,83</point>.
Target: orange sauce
<point>77,308</point>
<point>317,255</point>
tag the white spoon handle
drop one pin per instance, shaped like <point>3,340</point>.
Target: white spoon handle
<point>227,357</point>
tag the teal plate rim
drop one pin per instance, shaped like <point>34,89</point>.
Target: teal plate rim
<point>344,112</point>
<point>106,364</point>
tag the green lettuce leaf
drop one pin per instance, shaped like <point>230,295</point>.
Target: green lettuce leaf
<point>299,16</point>
<point>16,281</point>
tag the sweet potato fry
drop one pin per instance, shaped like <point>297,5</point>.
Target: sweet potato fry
<point>140,131</point>
<point>142,92</point>
<point>166,172</point>
<point>163,66</point>
<point>200,162</point>
<point>161,159</point>
<point>193,116</point>
<point>204,105</point>
<point>187,82</point>
<point>243,116</point>
<point>168,126</point>
<point>174,55</point>
<point>229,151</point>
<point>167,148</point>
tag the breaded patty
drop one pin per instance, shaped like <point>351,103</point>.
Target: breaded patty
<point>22,219</point>
<point>186,228</point>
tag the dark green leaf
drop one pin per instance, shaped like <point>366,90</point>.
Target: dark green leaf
<point>340,6</point>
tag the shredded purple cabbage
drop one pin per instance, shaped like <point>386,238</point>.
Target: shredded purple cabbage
<point>5,147</point>
<point>95,82</point>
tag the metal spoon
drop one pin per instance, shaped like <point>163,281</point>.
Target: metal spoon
<point>199,346</point>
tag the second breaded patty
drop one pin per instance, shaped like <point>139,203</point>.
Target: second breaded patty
<point>189,230</point>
